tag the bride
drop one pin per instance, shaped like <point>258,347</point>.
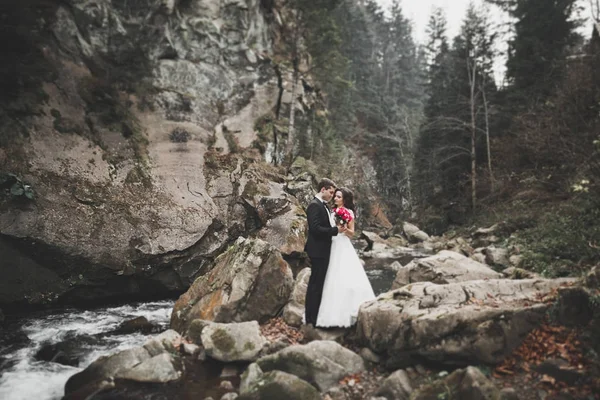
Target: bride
<point>346,284</point>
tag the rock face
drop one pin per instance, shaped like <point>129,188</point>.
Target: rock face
<point>456,323</point>
<point>444,267</point>
<point>250,281</point>
<point>127,132</point>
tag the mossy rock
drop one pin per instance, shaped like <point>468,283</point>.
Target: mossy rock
<point>280,385</point>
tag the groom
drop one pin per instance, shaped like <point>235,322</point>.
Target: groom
<point>318,246</point>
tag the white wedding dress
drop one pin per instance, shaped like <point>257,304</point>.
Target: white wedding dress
<point>346,285</point>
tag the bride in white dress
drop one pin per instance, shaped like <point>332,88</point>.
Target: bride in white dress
<point>346,284</point>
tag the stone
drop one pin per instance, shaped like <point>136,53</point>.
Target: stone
<point>250,281</point>
<point>106,367</point>
<point>230,396</point>
<point>233,342</point>
<point>413,233</point>
<point>497,256</point>
<point>321,363</point>
<point>444,267</point>
<point>194,332</point>
<point>334,334</point>
<point>168,341</point>
<point>190,349</point>
<point>250,376</point>
<point>515,260</point>
<point>280,385</point>
<point>226,385</point>
<point>162,368</point>
<point>456,323</point>
<point>368,355</point>
<point>139,324</point>
<point>293,311</point>
<point>397,386</point>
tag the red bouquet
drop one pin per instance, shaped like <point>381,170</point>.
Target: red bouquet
<point>342,215</point>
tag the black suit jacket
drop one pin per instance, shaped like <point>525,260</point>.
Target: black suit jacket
<point>320,231</point>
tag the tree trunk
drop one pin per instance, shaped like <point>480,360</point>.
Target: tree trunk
<point>487,139</point>
<point>472,78</point>
<point>291,128</point>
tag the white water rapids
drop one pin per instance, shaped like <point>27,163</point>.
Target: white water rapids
<point>22,377</point>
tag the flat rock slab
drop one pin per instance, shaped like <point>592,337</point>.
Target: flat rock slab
<point>457,323</point>
<point>444,267</point>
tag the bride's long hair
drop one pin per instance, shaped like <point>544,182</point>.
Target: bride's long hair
<point>347,198</point>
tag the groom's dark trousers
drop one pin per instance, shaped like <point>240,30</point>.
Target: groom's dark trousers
<point>318,246</point>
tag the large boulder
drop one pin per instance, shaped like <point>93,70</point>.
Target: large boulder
<point>456,323</point>
<point>162,368</point>
<point>294,309</point>
<point>321,363</point>
<point>250,281</point>
<point>106,367</point>
<point>233,342</point>
<point>279,385</point>
<point>444,267</point>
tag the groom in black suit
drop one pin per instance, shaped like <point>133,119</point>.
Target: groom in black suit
<point>318,246</point>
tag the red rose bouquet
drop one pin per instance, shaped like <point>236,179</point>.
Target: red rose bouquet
<point>342,215</point>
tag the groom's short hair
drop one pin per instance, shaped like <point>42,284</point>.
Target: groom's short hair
<point>326,183</point>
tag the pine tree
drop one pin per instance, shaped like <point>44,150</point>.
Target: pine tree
<point>544,30</point>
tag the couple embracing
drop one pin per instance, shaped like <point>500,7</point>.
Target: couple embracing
<point>338,284</point>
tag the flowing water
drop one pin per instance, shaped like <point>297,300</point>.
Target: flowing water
<point>24,377</point>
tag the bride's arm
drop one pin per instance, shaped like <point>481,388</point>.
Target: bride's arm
<point>350,231</point>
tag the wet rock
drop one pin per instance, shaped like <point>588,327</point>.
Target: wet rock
<point>106,367</point>
<point>279,385</point>
<point>139,324</point>
<point>67,352</point>
<point>230,396</point>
